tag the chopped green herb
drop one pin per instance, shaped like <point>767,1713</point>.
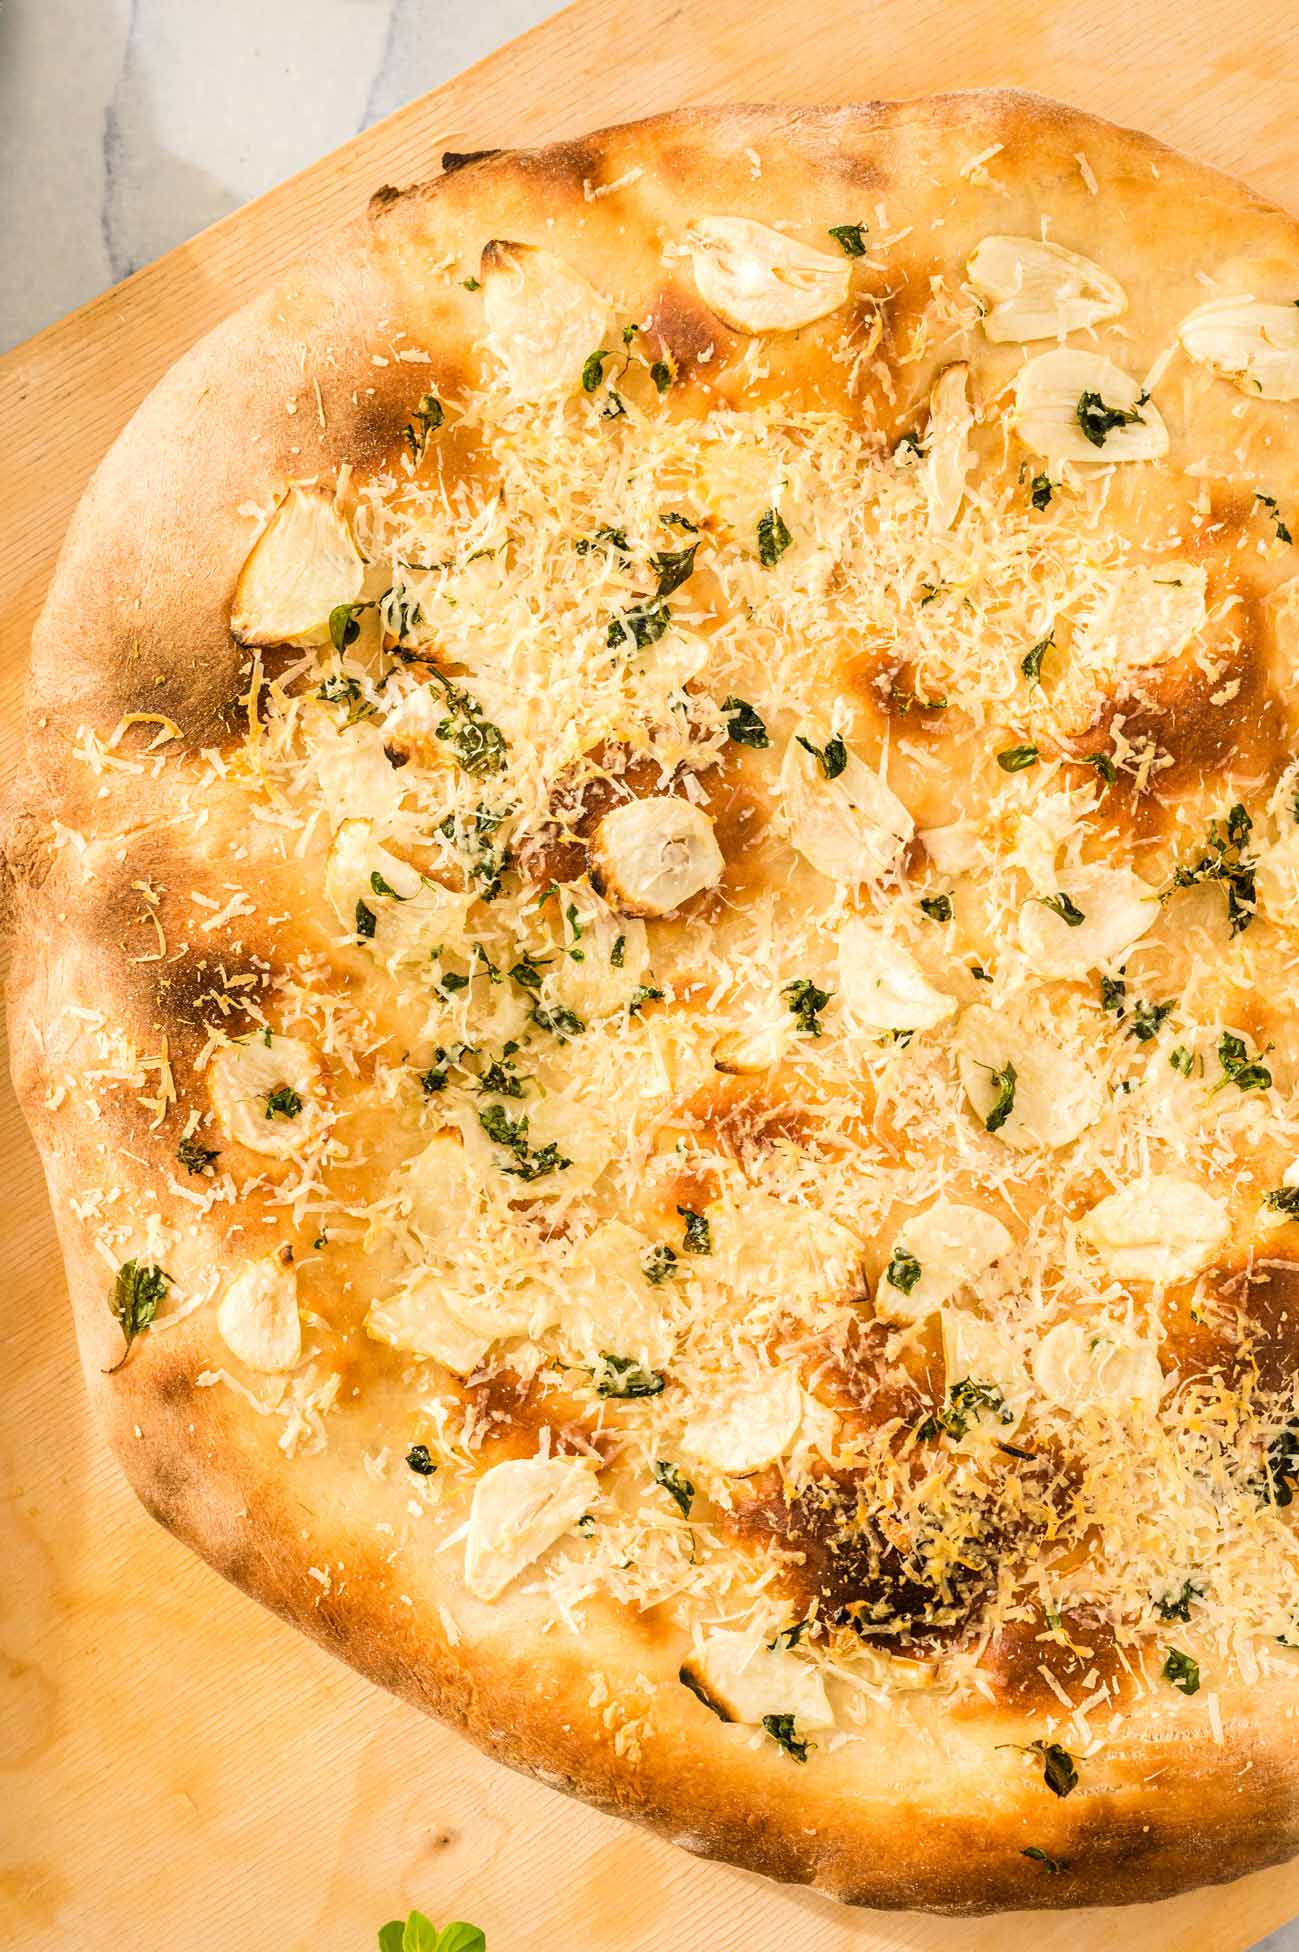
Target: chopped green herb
<point>559,1020</point>
<point>1283,1199</point>
<point>138,1290</point>
<point>1031,662</point>
<point>979,973</point>
<point>644,626</point>
<point>512,1135</point>
<point>195,1158</point>
<point>642,994</point>
<point>618,953</point>
<point>937,907</point>
<point>381,887</point>
<point>743,725</point>
<point>1059,1770</point>
<point>473,838</point>
<point>625,1376</point>
<point>527,972</point>
<point>806,1003</point>
<point>1015,758</point>
<point>1246,1073</point>
<point>1004,1104</point>
<point>678,1487</point>
<point>1181,1059</point>
<point>612,538</point>
<point>851,239</point>
<point>1114,994</point>
<point>789,1636</point>
<point>500,1078</point>
<point>1281,1470</point>
<point>1147,1019</point>
<point>593,370</point>
<point>698,1233</point>
<point>1103,765</point>
<point>1053,1866</point>
<point>343,689</point>
<point>675,520</point>
<point>1096,420</point>
<point>832,757</point>
<point>1177,1606</point>
<point>283,1102</point>
<point>903,1270</point>
<point>965,1404</point>
<point>773,538</point>
<point>1224,860</point>
<point>614,405</point>
<point>672,567</point>
<point>660,1264</point>
<point>1059,904</point>
<point>479,746</point>
<point>781,1730</point>
<point>471,284</point>
<point>1182,1671</point>
<point>344,631</point>
<point>452,982</point>
<point>661,374</point>
<point>1041,491</point>
<point>417,1457</point>
<point>427,418</point>
<point>365,921</point>
<point>1269,502</point>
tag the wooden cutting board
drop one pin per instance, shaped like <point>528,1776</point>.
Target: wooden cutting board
<point>183,1769</point>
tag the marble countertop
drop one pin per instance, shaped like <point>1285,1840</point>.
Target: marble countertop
<point>128,125</point>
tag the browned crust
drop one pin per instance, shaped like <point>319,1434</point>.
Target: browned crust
<point>150,559</point>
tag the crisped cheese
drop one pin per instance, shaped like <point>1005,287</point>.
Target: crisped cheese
<point>258,1313</point>
<point>1162,1227</point>
<point>520,1508</point>
<point>742,1680</point>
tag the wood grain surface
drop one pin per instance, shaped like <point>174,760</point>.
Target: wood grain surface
<point>181,1769</point>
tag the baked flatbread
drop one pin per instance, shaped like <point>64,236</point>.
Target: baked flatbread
<point>655,905</point>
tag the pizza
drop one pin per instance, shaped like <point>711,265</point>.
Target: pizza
<point>654,906</point>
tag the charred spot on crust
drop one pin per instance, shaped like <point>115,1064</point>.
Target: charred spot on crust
<point>746,1120</point>
<point>688,332</point>
<point>1249,1331</point>
<point>455,159</point>
<point>606,778</point>
<point>873,1389</point>
<point>1074,1651</point>
<point>1232,721</point>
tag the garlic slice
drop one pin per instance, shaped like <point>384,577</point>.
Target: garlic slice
<point>520,1509</point>
<point>302,565</point>
<point>649,856</point>
<point>748,1052</point>
<point>948,454</point>
<point>258,1313</point>
<point>597,986</point>
<point>1048,393</point>
<point>417,1319</point>
<point>254,1085</point>
<point>1117,907</point>
<point>851,828</point>
<point>750,1422</point>
<point>1080,1367</point>
<point>953,1245</point>
<point>1057,1094</point>
<point>1038,290</point>
<point>1276,881</point>
<point>978,1351</point>
<point>1252,344</point>
<point>765,1248</point>
<point>543,318</point>
<point>416,915</point>
<point>742,1680</point>
<point>611,1307</point>
<point>758,280</point>
<point>882,984</point>
<point>1160,1228</point>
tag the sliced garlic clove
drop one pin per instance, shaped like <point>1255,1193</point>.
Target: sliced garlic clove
<point>953,849</point>
<point>1056,1092</point>
<point>1036,290</point>
<point>520,1509</point>
<point>749,1052</point>
<point>543,319</point>
<point>882,985</point>
<point>765,1248</point>
<point>1048,393</point>
<point>254,1086</point>
<point>610,1303</point>
<point>598,986</point>
<point>1252,344</point>
<point>649,856</point>
<point>948,454</point>
<point>851,828</point>
<point>417,1319</point>
<point>1117,907</point>
<point>355,776</point>
<point>404,913</point>
<point>742,1680</point>
<point>1082,1368</point>
<point>750,1422</point>
<point>758,280</point>
<point>953,1245</point>
<point>302,565</point>
<point>258,1314</point>
<point>1276,881</point>
<point>1160,1228</point>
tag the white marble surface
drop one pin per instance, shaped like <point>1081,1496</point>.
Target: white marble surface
<point>127,125</point>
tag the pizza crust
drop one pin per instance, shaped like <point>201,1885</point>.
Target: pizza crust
<point>932,1802</point>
